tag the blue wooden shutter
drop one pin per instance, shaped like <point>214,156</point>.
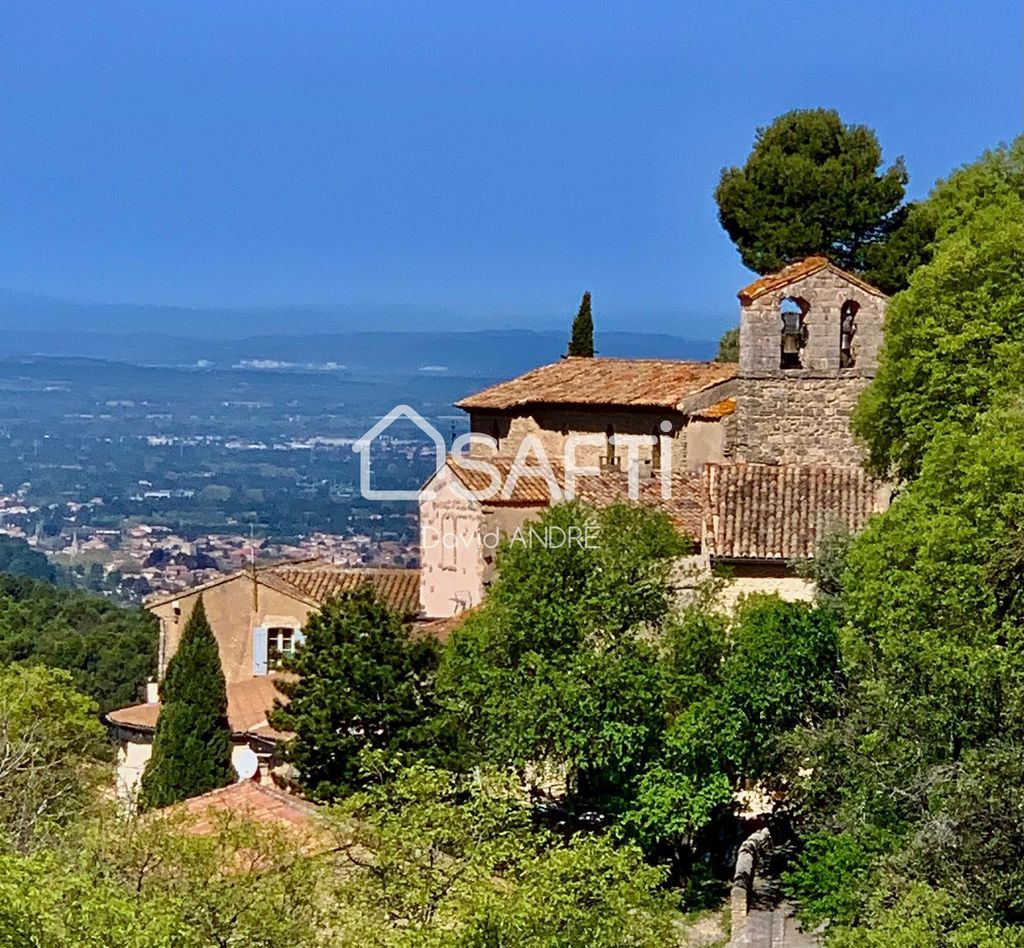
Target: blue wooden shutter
<point>259,650</point>
<point>299,638</point>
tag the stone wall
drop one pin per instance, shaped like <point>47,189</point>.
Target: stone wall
<point>234,608</point>
<point>823,294</point>
<point>797,420</point>
<point>802,415</point>
<point>552,426</point>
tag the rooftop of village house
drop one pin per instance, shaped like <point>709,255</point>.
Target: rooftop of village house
<point>633,383</point>
<point>248,800</point>
<point>248,704</point>
<point>771,512</point>
<point>610,486</point>
<point>781,512</point>
<point>314,582</point>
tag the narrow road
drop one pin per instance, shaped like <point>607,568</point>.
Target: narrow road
<point>771,922</point>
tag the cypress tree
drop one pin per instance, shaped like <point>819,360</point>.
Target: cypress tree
<point>582,341</point>
<point>192,742</point>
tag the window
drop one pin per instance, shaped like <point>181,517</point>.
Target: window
<point>609,446</point>
<point>847,330</point>
<point>794,332</point>
<point>281,643</point>
<point>448,540</point>
<point>656,449</point>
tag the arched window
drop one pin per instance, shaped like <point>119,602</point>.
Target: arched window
<point>792,311</point>
<point>609,446</point>
<point>656,449</point>
<point>847,330</point>
<point>496,434</point>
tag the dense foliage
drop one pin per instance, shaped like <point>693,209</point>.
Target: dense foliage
<point>811,185</point>
<point>51,746</point>
<point>911,798</point>
<point>955,338</point>
<point>581,342</point>
<point>192,741</point>
<point>17,558</point>
<point>729,346</point>
<point>363,683</point>
<point>110,651</point>
<point>421,857</point>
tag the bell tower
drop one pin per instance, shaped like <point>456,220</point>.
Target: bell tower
<point>809,341</point>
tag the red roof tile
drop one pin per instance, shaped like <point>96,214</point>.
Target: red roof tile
<point>639,383</point>
<point>718,411</point>
<point>610,487</point>
<point>251,800</point>
<point>781,512</point>
<point>399,589</point>
<point>248,704</point>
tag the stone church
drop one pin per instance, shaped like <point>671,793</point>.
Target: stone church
<point>754,462</point>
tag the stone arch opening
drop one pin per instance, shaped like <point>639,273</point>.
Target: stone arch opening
<point>847,330</point>
<point>792,314</point>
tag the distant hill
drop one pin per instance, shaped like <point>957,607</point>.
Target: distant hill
<point>493,353</point>
<point>379,337</point>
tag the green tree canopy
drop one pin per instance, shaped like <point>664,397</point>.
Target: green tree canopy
<point>19,559</point>
<point>811,185</point>
<point>912,781</point>
<point>192,742</point>
<point>364,683</point>
<point>51,745</point>
<point>442,859</point>
<point>109,650</point>
<point>729,346</point>
<point>554,668</point>
<point>955,337</point>
<point>581,342</point>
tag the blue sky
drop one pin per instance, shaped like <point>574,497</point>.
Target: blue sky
<point>488,159</point>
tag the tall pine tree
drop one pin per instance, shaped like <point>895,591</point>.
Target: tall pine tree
<point>192,742</point>
<point>363,683</point>
<point>582,341</point>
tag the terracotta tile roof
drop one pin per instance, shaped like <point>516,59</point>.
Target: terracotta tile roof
<point>683,507</point>
<point>254,801</point>
<point>442,629</point>
<point>610,487</point>
<point>248,704</point>
<point>716,412</point>
<point>797,271</point>
<point>163,598</point>
<point>527,490</point>
<point>781,512</point>
<point>399,589</point>
<point>640,383</point>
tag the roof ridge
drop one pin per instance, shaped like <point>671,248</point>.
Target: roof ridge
<point>798,270</point>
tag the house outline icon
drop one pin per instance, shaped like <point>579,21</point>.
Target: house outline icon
<point>362,447</point>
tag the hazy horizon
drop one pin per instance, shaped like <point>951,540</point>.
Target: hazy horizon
<point>483,163</point>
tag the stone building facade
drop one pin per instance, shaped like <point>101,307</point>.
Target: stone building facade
<point>257,617</point>
<point>809,342</point>
<point>762,460</point>
<point>652,399</point>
